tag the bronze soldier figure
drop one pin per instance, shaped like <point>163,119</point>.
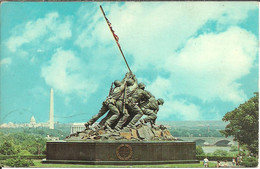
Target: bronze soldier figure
<point>150,108</point>
<point>110,104</point>
<point>132,104</point>
<point>132,85</point>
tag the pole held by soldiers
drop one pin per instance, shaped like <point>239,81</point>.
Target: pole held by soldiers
<point>115,37</point>
<point>124,99</point>
<point>111,89</point>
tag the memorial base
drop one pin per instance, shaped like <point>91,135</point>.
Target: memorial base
<point>121,152</point>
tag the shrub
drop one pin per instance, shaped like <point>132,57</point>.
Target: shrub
<point>1,164</point>
<point>24,153</point>
<point>233,148</point>
<point>220,153</point>
<point>250,162</point>
<point>4,157</point>
<point>199,151</point>
<point>18,162</point>
<point>209,154</point>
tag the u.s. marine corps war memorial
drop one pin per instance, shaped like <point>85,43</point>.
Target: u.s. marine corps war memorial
<point>127,132</point>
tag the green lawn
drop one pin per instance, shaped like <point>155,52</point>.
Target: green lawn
<point>39,164</point>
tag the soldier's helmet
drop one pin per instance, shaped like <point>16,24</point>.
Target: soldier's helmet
<point>141,85</point>
<point>117,83</point>
<point>160,101</point>
<point>130,82</point>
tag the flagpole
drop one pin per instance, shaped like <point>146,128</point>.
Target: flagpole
<point>115,37</point>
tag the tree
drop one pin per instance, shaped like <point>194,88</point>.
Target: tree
<point>35,145</point>
<point>250,162</point>
<point>8,148</point>
<point>243,124</point>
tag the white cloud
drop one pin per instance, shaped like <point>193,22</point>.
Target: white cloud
<point>52,25</point>
<point>207,68</point>
<point>209,65</point>
<point>148,33</point>
<point>64,74</point>
<point>173,108</point>
<point>179,109</point>
<point>161,87</point>
<point>6,61</point>
<point>88,26</point>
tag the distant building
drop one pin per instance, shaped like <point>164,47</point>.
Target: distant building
<point>13,125</point>
<point>8,125</point>
<point>77,127</point>
<point>32,122</point>
<point>50,138</point>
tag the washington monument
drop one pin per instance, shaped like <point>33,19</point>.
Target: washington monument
<point>51,111</point>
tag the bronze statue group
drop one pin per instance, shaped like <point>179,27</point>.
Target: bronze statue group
<point>126,103</point>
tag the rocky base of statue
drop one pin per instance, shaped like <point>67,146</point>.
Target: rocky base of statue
<point>139,145</point>
<point>140,132</point>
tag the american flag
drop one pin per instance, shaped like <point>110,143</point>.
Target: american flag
<point>113,32</point>
<point>115,37</point>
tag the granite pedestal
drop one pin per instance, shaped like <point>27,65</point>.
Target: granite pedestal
<point>121,152</point>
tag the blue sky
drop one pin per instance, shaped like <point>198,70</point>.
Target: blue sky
<point>200,57</point>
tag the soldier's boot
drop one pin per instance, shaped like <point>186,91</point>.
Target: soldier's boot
<point>87,125</point>
<point>152,125</point>
<point>102,127</point>
<point>117,129</point>
<point>134,120</point>
<point>119,125</point>
<point>129,126</point>
<point>151,117</point>
<point>97,127</point>
<point>108,128</point>
<point>142,121</point>
<point>121,122</point>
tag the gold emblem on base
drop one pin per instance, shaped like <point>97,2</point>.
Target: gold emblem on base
<point>124,152</point>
